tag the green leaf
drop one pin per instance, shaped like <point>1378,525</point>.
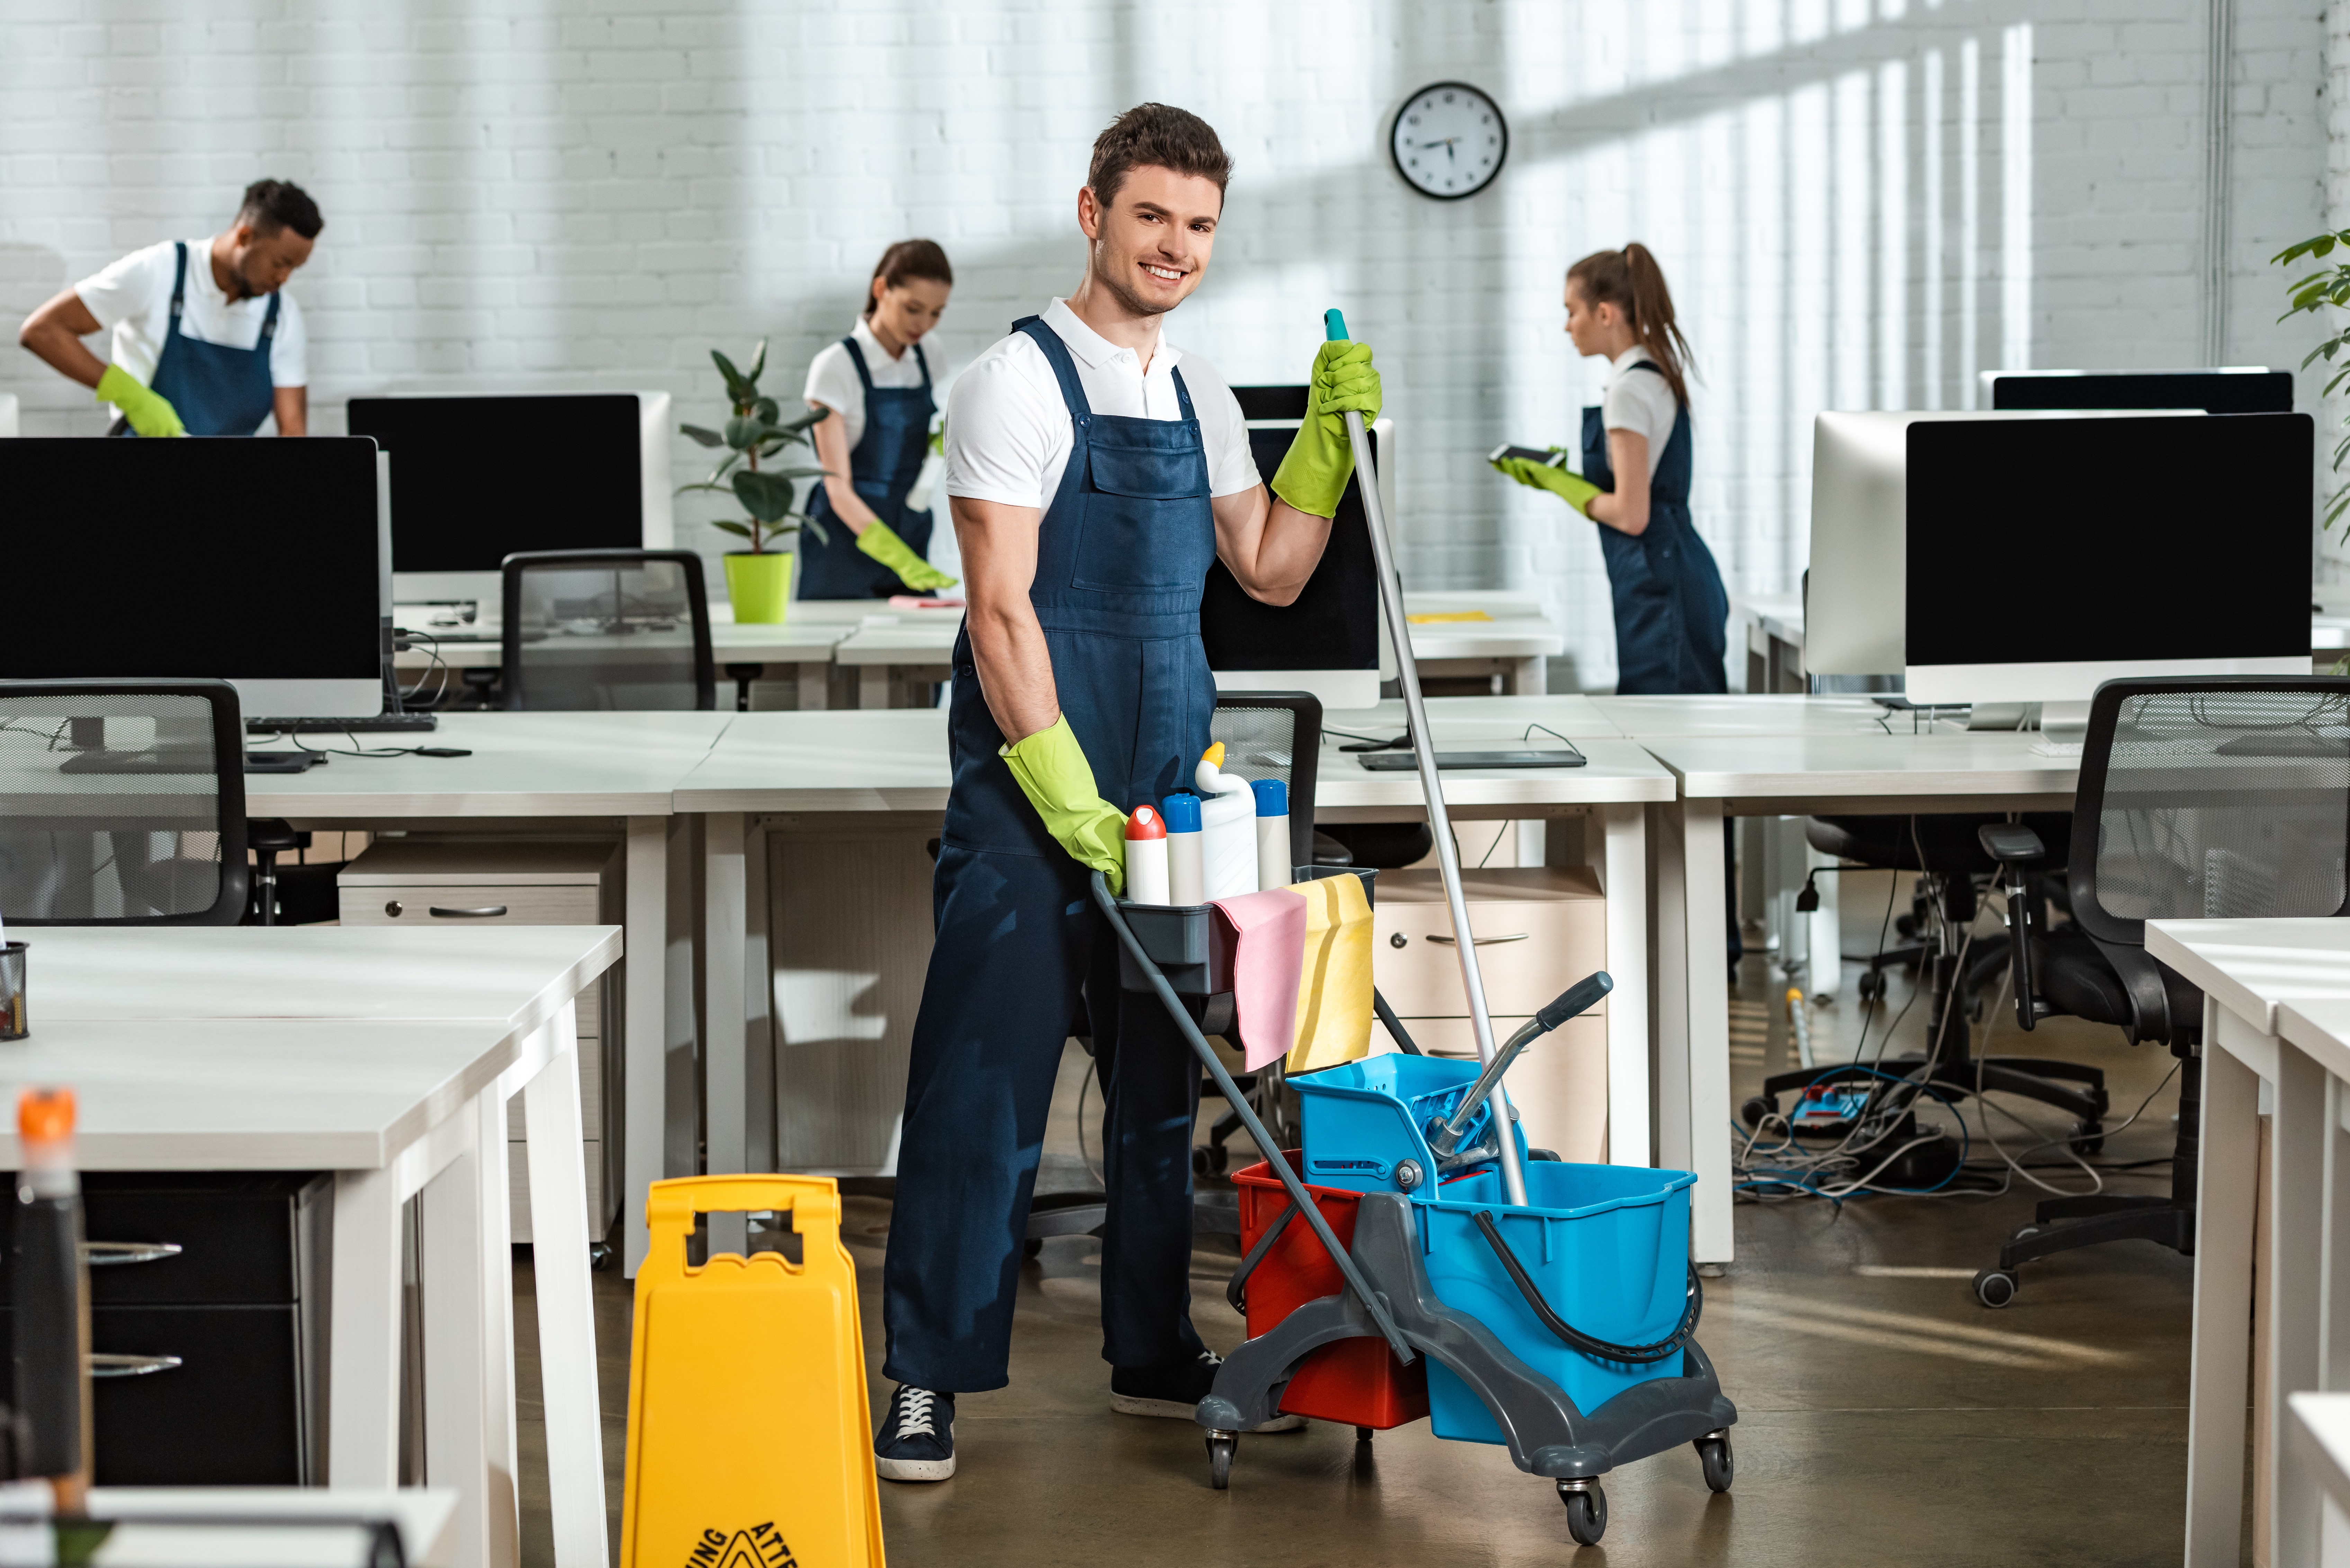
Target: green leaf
<point>740,530</point>
<point>743,432</point>
<point>815,527</point>
<point>765,496</point>
<point>724,467</point>
<point>738,386</point>
<point>705,437</point>
<point>707,484</point>
<point>758,362</point>
<point>800,472</point>
<point>767,411</point>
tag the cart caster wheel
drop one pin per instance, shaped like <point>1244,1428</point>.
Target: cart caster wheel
<point>2088,1139</point>
<point>1995,1287</point>
<point>599,1254</point>
<point>1721,1464</point>
<point>1220,1459</point>
<point>1209,1159</point>
<point>1586,1511</point>
<point>1755,1110</point>
<point>1362,1434</point>
<point>1871,986</point>
<point>1032,1247</point>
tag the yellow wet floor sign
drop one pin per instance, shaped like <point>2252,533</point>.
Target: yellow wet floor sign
<point>749,1440</point>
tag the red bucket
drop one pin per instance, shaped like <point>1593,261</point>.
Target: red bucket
<point>1355,1382</point>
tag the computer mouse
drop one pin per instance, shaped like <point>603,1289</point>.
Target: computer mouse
<point>442,752</point>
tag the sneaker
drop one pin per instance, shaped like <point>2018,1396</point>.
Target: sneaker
<point>1175,1389</point>
<point>917,1438</point>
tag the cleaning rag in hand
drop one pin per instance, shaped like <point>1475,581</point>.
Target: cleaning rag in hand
<point>1263,938</point>
<point>1334,991</point>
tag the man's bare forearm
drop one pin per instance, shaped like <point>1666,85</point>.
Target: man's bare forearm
<point>1007,644</point>
<point>54,334</point>
<point>1270,547</point>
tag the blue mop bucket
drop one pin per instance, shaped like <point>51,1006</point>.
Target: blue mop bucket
<point>1363,1119</point>
<point>1607,1247</point>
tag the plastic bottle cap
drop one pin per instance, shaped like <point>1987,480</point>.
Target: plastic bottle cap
<point>1271,797</point>
<point>1181,812</point>
<point>45,1115</point>
<point>1214,756</point>
<point>1145,824</point>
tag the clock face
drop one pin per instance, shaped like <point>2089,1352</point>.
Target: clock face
<point>1448,140</point>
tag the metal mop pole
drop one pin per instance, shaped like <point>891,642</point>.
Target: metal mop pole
<point>1448,856</point>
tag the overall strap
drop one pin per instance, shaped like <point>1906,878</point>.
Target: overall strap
<point>856,358</point>
<point>180,283</point>
<point>1183,393</point>
<point>269,317</point>
<point>1056,354</point>
<point>1646,365</point>
<point>922,364</point>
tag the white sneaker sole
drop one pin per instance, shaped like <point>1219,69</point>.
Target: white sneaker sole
<point>916,1470</point>
<point>1134,1405</point>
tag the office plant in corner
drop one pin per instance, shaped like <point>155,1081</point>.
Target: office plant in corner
<point>759,579</point>
<point>2314,293</point>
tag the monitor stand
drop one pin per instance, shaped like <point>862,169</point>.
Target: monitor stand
<point>2064,721</point>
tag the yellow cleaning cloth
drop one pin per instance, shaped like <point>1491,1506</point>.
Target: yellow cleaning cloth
<point>1334,993</point>
<point>1433,618</point>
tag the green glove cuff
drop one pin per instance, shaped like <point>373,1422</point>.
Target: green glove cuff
<point>1051,770</point>
<point>1313,473</point>
<point>880,542</point>
<point>150,413</point>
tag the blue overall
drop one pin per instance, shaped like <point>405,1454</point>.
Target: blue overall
<point>883,465</point>
<point>216,390</point>
<point>1672,615</point>
<point>1023,958</point>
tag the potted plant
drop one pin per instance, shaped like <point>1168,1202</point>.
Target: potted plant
<point>759,579</point>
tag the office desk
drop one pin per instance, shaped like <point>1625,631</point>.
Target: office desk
<point>541,773</point>
<point>1515,642</point>
<point>1490,722</point>
<point>1737,713</point>
<point>917,646</point>
<point>1854,774</point>
<point>421,1515</point>
<point>1766,641</point>
<point>891,766</point>
<point>386,1058</point>
<point>2276,1007</point>
<point>803,642</point>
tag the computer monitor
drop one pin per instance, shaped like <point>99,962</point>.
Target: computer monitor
<point>1852,606</point>
<point>258,562</point>
<point>2229,390</point>
<point>2048,557</point>
<point>481,477</point>
<point>1331,641</point>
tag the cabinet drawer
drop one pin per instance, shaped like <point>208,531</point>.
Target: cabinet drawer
<point>459,904</point>
<point>591,1087</point>
<point>1528,952</point>
<point>1559,1083</point>
<point>519,1190</point>
<point>239,1239</point>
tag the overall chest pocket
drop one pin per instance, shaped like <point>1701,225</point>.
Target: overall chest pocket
<point>1147,523</point>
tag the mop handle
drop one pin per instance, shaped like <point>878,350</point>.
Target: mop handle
<point>1266,1143</point>
<point>1440,823</point>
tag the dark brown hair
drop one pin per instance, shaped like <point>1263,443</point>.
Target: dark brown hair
<point>271,205</point>
<point>1632,282</point>
<point>909,259</point>
<point>1153,135</point>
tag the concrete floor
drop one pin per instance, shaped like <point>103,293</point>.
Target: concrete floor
<point>1884,1415</point>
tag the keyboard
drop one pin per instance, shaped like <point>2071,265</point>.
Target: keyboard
<point>393,723</point>
<point>2056,748</point>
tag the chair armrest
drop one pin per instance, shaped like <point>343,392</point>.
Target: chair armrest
<point>2010,843</point>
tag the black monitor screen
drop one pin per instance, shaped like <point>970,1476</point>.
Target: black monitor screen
<point>2072,541</point>
<point>2213,391</point>
<point>1334,624</point>
<point>223,558</point>
<point>475,479</point>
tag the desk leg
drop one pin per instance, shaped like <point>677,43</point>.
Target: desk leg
<point>1624,876</point>
<point>1530,677</point>
<point>567,1313</point>
<point>725,931</point>
<point>872,686</point>
<point>2225,1178</point>
<point>1707,922</point>
<point>816,686</point>
<point>1670,921</point>
<point>455,1292</point>
<point>2297,1155</point>
<point>645,1032</point>
<point>493,1232</point>
<point>363,1345</point>
<point>759,1130</point>
<point>2334,1282</point>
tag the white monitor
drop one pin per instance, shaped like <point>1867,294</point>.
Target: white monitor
<point>484,475</point>
<point>9,427</point>
<point>1852,615</point>
<point>2047,557</point>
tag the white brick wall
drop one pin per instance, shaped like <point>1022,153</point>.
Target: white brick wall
<point>576,193</point>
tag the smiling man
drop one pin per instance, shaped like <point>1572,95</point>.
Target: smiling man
<point>1094,473</point>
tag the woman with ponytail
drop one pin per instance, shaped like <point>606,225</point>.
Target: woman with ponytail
<point>1672,612</point>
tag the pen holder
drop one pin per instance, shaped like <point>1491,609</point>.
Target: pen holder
<point>13,1025</point>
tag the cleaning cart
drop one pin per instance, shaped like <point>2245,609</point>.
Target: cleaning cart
<point>1545,1306</point>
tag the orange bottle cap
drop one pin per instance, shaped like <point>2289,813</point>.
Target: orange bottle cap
<point>45,1115</point>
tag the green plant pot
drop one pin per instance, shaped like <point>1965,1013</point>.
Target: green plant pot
<point>759,585</point>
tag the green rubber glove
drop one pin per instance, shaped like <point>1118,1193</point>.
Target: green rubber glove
<point>1053,773</point>
<point>1563,482</point>
<point>1314,475</point>
<point>150,414</point>
<point>894,553</point>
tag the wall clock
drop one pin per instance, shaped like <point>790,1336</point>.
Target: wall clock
<point>1448,140</point>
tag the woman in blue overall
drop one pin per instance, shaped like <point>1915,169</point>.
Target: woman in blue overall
<point>1673,614</point>
<point>877,383</point>
<point>1095,475</point>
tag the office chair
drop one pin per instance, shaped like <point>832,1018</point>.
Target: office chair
<point>2219,797</point>
<point>606,630</point>
<point>122,802</point>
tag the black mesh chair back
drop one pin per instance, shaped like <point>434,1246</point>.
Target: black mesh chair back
<point>606,630</point>
<point>2226,797</point>
<point>122,802</point>
<point>1275,735</point>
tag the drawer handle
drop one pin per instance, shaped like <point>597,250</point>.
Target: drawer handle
<point>485,912</point>
<point>1485,942</point>
<point>104,1254</point>
<point>106,1364</point>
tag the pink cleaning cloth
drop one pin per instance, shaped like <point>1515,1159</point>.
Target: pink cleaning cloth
<point>1262,937</point>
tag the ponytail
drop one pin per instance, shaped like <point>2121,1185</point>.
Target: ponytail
<point>1632,282</point>
<point>908,259</point>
